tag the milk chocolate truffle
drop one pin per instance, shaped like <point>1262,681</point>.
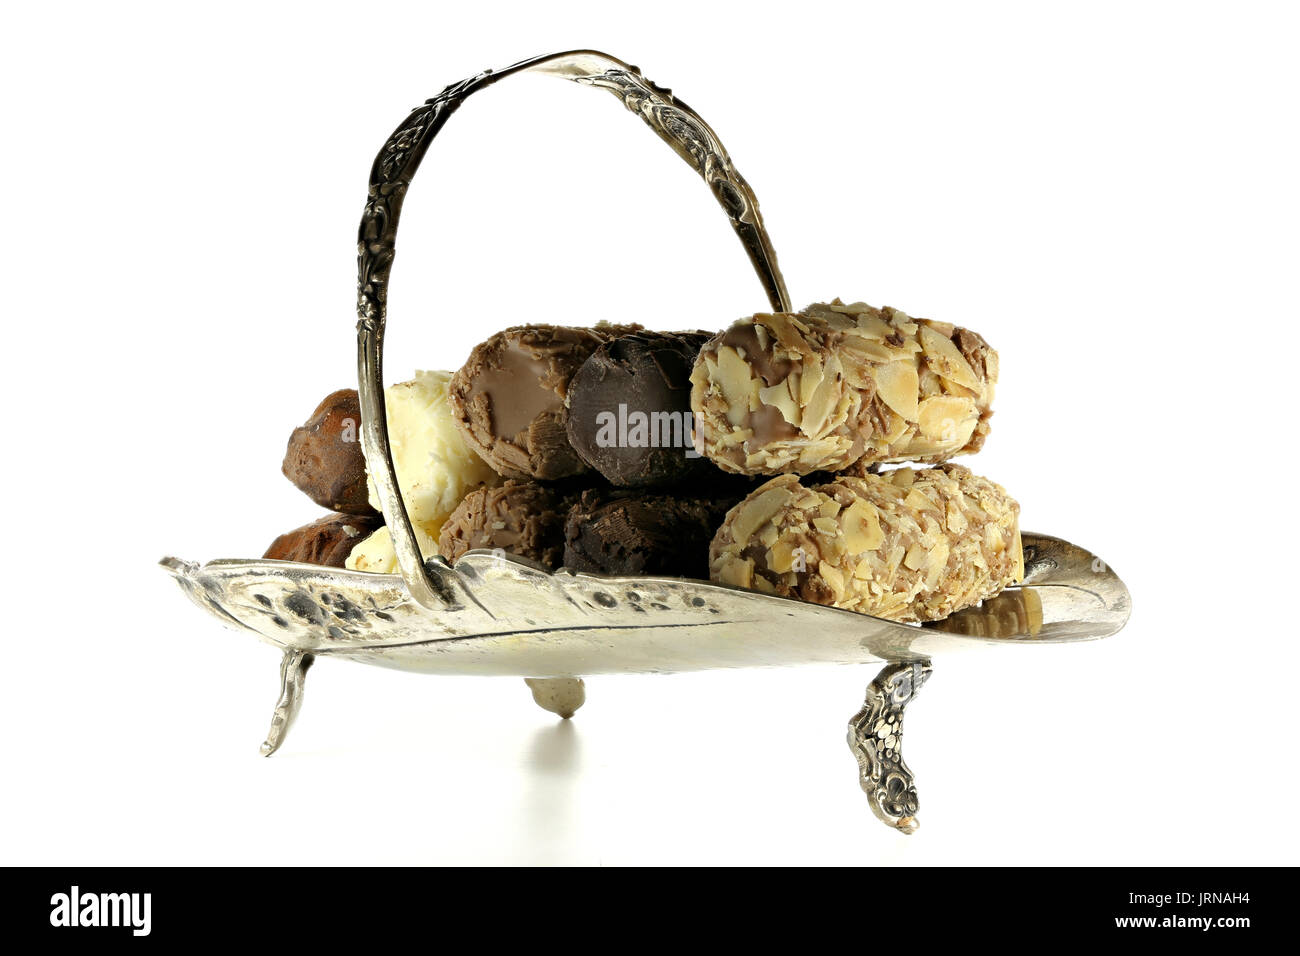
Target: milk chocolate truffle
<point>327,541</point>
<point>627,532</point>
<point>508,399</point>
<point>324,456</point>
<point>522,518</point>
<point>630,409</point>
<point>907,545</point>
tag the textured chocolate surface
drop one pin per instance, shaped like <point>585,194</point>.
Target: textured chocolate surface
<point>523,518</point>
<point>612,531</point>
<point>508,398</point>
<point>324,458</point>
<point>327,541</point>
<point>629,409</point>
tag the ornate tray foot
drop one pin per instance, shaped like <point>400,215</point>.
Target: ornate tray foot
<point>559,695</point>
<point>293,673</point>
<point>876,739</point>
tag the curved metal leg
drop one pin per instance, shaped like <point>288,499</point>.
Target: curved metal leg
<point>559,695</point>
<point>293,673</point>
<point>876,739</point>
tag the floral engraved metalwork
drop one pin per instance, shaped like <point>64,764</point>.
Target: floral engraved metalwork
<point>876,739</point>
<point>391,175</point>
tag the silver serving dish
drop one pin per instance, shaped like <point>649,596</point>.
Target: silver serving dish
<point>496,615</point>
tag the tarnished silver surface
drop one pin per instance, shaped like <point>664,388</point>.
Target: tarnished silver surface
<point>504,616</point>
<point>876,739</point>
<point>390,176</point>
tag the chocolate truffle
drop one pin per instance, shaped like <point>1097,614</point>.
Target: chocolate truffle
<point>508,399</point>
<point>522,518</point>
<point>629,532</point>
<point>324,458</point>
<point>327,541</point>
<point>822,389</point>
<point>630,409</point>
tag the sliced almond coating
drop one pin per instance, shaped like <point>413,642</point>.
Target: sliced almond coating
<point>915,557</point>
<point>898,386</point>
<point>948,419</point>
<point>918,500</point>
<point>826,525</point>
<point>818,408</point>
<point>833,577</point>
<point>778,396</point>
<point>735,571</point>
<point>874,351</point>
<point>861,524</point>
<point>937,562</point>
<point>810,377</point>
<point>753,514</point>
<point>948,360</point>
<point>735,383</point>
<point>781,556</point>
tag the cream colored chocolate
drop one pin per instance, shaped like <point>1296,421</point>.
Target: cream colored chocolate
<point>435,467</point>
<point>375,552</point>
<point>907,545</point>
<point>840,385</point>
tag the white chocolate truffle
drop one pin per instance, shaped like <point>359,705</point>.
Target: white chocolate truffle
<point>375,552</point>
<point>435,467</point>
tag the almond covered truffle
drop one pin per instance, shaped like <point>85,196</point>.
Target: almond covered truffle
<point>907,545</point>
<point>837,385</point>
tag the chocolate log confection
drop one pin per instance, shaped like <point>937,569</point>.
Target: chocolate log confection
<point>836,385</point>
<point>324,457</point>
<point>904,545</point>
<point>624,532</point>
<point>327,541</point>
<point>629,406</point>
<point>522,518</point>
<point>508,398</point>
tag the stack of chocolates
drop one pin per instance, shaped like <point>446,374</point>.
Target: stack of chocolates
<point>751,457</point>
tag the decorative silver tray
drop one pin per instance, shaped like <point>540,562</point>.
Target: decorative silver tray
<point>493,614</point>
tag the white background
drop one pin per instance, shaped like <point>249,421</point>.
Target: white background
<point>1107,192</point>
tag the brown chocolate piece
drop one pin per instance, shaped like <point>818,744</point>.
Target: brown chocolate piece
<point>327,541</point>
<point>630,409</point>
<point>523,518</point>
<point>627,532</point>
<point>508,400</point>
<point>324,458</point>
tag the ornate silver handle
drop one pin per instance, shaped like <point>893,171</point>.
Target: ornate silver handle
<point>674,122</point>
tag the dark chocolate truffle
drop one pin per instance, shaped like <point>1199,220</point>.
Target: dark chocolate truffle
<point>327,541</point>
<point>630,409</point>
<point>324,457</point>
<point>628,532</point>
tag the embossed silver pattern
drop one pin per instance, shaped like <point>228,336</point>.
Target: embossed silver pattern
<point>390,176</point>
<point>876,739</point>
